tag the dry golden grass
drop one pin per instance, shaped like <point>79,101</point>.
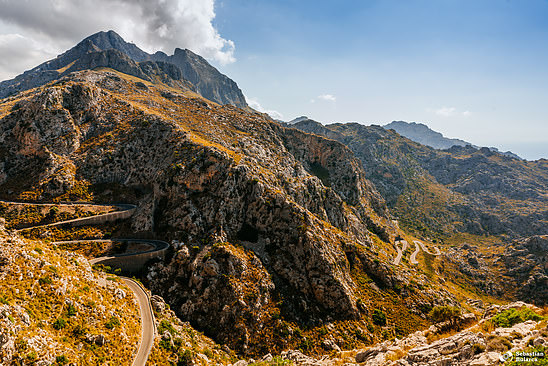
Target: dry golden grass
<point>66,301</point>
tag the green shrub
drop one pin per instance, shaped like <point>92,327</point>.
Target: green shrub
<point>445,313</point>
<point>208,353</point>
<point>379,317</point>
<point>60,323</point>
<point>165,344</point>
<point>166,325</point>
<point>112,323</point>
<point>61,360</point>
<point>185,358</point>
<point>509,317</point>
<point>71,311</point>
<point>32,356</point>
<point>45,281</point>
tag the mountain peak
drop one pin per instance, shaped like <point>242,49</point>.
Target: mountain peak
<point>421,133</point>
<point>298,119</point>
<point>206,79</point>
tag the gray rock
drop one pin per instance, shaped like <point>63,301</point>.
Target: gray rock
<point>158,304</point>
<point>330,345</point>
<point>241,363</point>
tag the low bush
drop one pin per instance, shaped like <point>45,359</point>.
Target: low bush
<point>509,317</point>
<point>379,317</point>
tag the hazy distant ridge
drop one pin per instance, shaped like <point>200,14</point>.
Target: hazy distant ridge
<point>422,134</point>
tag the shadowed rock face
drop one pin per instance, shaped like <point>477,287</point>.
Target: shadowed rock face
<point>108,49</point>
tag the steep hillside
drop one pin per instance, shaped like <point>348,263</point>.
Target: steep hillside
<point>276,231</point>
<point>108,49</point>
<point>54,309</point>
<point>440,193</point>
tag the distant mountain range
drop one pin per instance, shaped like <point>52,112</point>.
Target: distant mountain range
<point>441,192</point>
<point>108,49</point>
<point>423,134</point>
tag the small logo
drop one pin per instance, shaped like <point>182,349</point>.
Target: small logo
<point>506,357</point>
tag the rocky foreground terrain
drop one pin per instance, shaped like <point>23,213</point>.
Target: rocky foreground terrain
<point>55,309</point>
<point>478,345</point>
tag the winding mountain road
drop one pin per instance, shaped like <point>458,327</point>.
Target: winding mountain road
<point>425,249</point>
<point>413,258</point>
<point>400,251</point>
<point>418,246</point>
<point>148,325</point>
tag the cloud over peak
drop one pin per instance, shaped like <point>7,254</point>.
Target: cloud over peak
<point>51,26</point>
<point>254,103</point>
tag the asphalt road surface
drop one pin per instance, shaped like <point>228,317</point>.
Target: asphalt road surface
<point>148,330</point>
<point>400,252</point>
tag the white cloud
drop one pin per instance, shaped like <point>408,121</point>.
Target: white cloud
<point>254,103</point>
<point>328,97</point>
<point>19,52</point>
<point>448,112</point>
<point>151,24</point>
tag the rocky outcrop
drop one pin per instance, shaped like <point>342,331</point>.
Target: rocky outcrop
<point>469,347</point>
<point>526,261</point>
<point>207,80</point>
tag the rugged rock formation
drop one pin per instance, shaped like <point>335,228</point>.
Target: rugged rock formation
<point>108,49</point>
<point>437,193</point>
<point>276,222</point>
<point>207,80</point>
<point>526,261</point>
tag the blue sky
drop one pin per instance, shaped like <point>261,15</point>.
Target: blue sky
<point>472,69</point>
<point>475,70</point>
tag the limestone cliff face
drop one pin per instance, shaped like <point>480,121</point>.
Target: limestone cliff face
<point>272,220</point>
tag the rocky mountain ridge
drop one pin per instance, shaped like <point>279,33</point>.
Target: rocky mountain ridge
<point>461,189</point>
<point>421,133</point>
<point>108,49</point>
